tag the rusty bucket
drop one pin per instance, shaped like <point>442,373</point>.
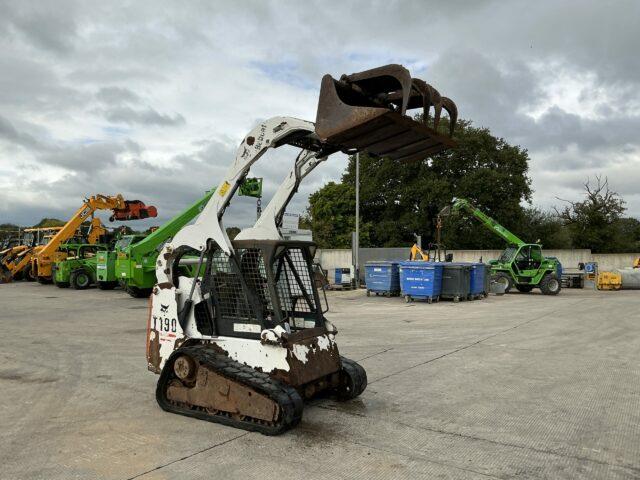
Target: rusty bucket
<point>367,112</point>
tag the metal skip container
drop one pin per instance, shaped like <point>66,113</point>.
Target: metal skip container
<point>456,280</point>
<point>421,280</point>
<point>382,278</point>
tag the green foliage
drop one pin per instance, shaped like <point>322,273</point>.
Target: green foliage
<point>331,216</point>
<point>597,221</point>
<point>232,232</point>
<point>49,222</point>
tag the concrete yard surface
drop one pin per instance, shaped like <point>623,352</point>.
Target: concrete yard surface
<point>518,386</point>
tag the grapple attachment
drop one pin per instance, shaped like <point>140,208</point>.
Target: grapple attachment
<point>133,210</point>
<point>367,111</point>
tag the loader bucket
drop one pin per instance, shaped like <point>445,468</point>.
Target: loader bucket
<point>367,112</point>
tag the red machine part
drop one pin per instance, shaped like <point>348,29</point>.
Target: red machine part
<point>133,210</point>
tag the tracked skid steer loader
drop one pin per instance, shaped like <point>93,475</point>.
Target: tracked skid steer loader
<point>245,341</point>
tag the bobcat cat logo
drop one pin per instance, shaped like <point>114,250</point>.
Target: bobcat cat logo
<point>164,308</point>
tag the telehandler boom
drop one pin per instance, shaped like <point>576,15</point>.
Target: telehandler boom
<point>245,340</point>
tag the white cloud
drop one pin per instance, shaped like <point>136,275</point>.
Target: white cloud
<point>150,98</point>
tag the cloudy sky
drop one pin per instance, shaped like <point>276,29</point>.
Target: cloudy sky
<point>150,98</point>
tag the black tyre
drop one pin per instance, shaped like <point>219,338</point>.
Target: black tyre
<point>80,279</point>
<point>504,279</point>
<point>107,285</point>
<point>524,288</point>
<point>136,292</point>
<point>28,274</point>
<point>550,285</point>
<point>353,380</point>
<point>45,280</point>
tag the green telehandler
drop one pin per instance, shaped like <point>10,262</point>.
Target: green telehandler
<point>132,263</point>
<point>78,268</point>
<point>521,265</point>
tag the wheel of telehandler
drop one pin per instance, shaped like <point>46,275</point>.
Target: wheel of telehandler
<point>550,285</point>
<point>28,274</point>
<point>107,285</point>
<point>80,279</point>
<point>524,288</point>
<point>504,279</point>
<point>353,380</point>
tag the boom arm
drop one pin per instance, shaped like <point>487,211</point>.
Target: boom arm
<point>169,229</point>
<point>90,205</point>
<point>487,221</point>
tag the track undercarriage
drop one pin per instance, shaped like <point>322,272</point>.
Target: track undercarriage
<point>197,381</point>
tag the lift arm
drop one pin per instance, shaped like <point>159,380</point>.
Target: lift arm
<point>487,221</point>
<point>267,226</point>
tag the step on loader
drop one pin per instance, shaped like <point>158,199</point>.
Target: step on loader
<point>245,340</point>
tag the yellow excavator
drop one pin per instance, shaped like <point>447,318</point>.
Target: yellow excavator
<point>33,238</point>
<point>43,260</point>
<point>418,254</point>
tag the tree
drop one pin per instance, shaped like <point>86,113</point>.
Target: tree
<point>400,200</point>
<point>49,222</point>
<point>596,222</point>
<point>232,232</point>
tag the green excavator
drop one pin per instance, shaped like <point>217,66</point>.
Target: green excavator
<point>521,265</point>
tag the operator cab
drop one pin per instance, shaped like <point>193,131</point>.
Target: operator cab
<point>266,283</point>
<point>529,257</point>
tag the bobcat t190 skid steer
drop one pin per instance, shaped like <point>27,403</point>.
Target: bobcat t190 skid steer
<point>245,341</point>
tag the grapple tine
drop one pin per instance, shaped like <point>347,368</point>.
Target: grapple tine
<point>451,108</point>
<point>367,112</point>
<point>430,98</point>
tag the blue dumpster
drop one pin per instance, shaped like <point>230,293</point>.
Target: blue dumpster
<point>421,280</point>
<point>477,287</point>
<point>342,277</point>
<point>382,278</point>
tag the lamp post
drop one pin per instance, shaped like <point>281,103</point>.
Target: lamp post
<point>357,246</point>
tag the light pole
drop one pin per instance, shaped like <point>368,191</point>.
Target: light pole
<point>357,247</point>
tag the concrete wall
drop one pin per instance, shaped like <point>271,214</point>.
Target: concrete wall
<point>341,258</point>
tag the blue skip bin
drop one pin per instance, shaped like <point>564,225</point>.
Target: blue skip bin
<point>382,278</point>
<point>421,280</point>
<point>477,287</point>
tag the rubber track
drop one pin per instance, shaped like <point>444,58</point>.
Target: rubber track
<point>358,374</point>
<point>290,402</point>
